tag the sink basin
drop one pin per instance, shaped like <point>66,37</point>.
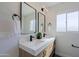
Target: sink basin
<point>34,42</point>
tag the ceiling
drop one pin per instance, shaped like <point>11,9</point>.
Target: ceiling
<point>48,4</point>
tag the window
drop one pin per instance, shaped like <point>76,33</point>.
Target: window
<point>67,22</point>
<point>72,21</point>
<point>61,23</point>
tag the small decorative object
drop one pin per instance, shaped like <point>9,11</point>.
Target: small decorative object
<point>39,35</point>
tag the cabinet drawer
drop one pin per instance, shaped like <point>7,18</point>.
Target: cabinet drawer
<point>49,50</point>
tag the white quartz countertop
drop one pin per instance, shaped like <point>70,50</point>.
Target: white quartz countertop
<point>36,46</point>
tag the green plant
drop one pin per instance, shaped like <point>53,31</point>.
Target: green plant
<point>39,35</point>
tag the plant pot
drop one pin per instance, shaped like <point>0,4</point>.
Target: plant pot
<point>39,37</point>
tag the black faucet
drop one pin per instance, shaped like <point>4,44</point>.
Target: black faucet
<point>31,37</point>
<point>44,34</point>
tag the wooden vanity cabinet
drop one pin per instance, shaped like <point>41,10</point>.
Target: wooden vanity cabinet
<point>50,50</point>
<point>45,53</point>
<point>23,53</point>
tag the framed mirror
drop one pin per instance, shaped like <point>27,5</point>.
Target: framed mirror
<point>28,19</point>
<point>41,23</point>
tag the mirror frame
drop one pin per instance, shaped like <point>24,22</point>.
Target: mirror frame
<point>44,21</point>
<point>21,17</point>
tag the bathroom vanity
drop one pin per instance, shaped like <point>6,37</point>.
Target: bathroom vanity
<point>37,48</point>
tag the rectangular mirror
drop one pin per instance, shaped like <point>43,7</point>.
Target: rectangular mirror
<point>28,19</point>
<point>41,18</point>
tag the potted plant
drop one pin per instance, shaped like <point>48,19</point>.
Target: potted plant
<point>39,35</point>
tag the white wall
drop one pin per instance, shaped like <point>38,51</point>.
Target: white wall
<point>8,41</point>
<point>64,40</point>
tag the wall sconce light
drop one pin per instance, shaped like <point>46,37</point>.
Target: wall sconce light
<point>41,24</point>
<point>49,27</point>
<point>49,24</point>
<point>42,27</point>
